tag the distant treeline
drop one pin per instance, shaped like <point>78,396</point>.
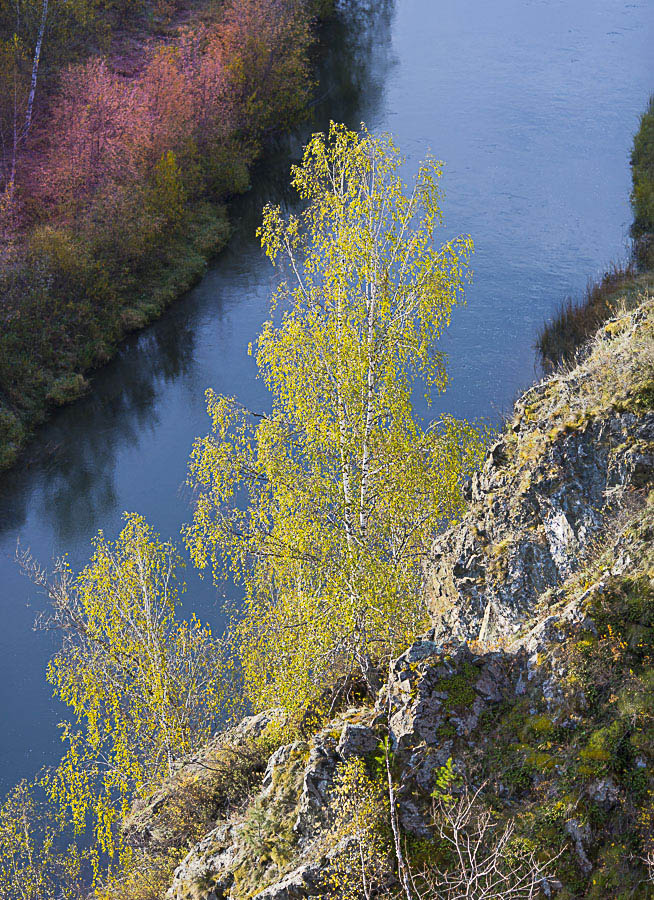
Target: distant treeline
<point>122,126</point>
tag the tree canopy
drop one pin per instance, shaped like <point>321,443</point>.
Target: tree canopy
<point>345,486</point>
<point>145,688</point>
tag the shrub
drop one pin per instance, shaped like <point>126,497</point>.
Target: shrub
<point>576,322</point>
<point>167,196</point>
<point>12,434</point>
<point>67,388</point>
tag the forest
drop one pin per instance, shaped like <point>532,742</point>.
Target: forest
<point>124,127</point>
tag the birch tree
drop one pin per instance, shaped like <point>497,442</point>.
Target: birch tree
<point>35,65</point>
<point>345,485</point>
<point>16,109</point>
<point>145,688</point>
<point>18,122</point>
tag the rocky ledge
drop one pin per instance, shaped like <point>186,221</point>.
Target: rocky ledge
<point>535,684</point>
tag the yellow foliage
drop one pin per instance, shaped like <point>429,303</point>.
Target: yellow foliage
<point>167,195</point>
<point>144,687</point>
<point>34,864</point>
<point>360,830</point>
<point>142,876</point>
<point>345,486</point>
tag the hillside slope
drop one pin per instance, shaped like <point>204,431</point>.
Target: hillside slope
<point>536,682</point>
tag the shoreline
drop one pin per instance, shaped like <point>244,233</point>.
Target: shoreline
<point>146,295</point>
<point>187,268</point>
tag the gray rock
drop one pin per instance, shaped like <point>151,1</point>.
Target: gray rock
<point>412,819</point>
<point>279,759</point>
<point>442,696</point>
<point>316,786</point>
<point>249,728</point>
<point>580,835</point>
<point>533,514</point>
<point>302,882</point>
<point>204,873</point>
<point>356,740</point>
<point>604,791</point>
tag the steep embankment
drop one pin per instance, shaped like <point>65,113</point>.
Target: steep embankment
<point>536,680</point>
<point>548,487</point>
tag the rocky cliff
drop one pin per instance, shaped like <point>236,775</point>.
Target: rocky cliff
<point>533,692</point>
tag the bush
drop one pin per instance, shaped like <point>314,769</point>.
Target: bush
<point>215,785</point>
<point>576,322</point>
<point>167,196</point>
<point>67,388</point>
<point>12,434</point>
<point>226,168</point>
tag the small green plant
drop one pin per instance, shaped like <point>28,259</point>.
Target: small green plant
<point>446,780</point>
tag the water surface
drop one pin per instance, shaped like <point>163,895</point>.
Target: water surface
<point>532,104</point>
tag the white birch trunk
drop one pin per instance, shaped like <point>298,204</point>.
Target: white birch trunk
<point>35,67</point>
<point>370,385</point>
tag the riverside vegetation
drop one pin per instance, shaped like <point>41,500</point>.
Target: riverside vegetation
<point>124,126</point>
<point>507,753</point>
<point>575,323</point>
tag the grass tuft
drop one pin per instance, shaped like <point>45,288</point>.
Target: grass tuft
<point>577,321</point>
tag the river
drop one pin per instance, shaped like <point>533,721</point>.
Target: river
<point>532,104</point>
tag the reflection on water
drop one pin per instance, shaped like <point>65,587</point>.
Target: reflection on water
<point>73,461</point>
<point>531,103</point>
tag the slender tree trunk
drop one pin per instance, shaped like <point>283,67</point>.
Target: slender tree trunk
<point>371,311</point>
<point>35,67</point>
<point>370,386</point>
<point>345,469</point>
<point>339,186</point>
<point>342,433</point>
<point>10,178</point>
<point>14,151</point>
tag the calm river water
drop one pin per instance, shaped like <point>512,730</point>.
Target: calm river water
<point>532,104</point>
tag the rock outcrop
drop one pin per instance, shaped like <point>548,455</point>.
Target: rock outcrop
<point>535,684</point>
<point>576,449</point>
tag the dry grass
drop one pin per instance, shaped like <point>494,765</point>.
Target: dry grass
<point>576,321</point>
<point>616,371</point>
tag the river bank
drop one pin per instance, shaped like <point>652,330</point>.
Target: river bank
<point>125,445</point>
<point>93,264</point>
<point>622,286</point>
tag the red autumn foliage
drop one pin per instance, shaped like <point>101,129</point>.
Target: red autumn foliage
<point>93,134</point>
<point>213,108</point>
<point>107,218</point>
<point>165,107</point>
<point>242,76</point>
<point>263,44</point>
